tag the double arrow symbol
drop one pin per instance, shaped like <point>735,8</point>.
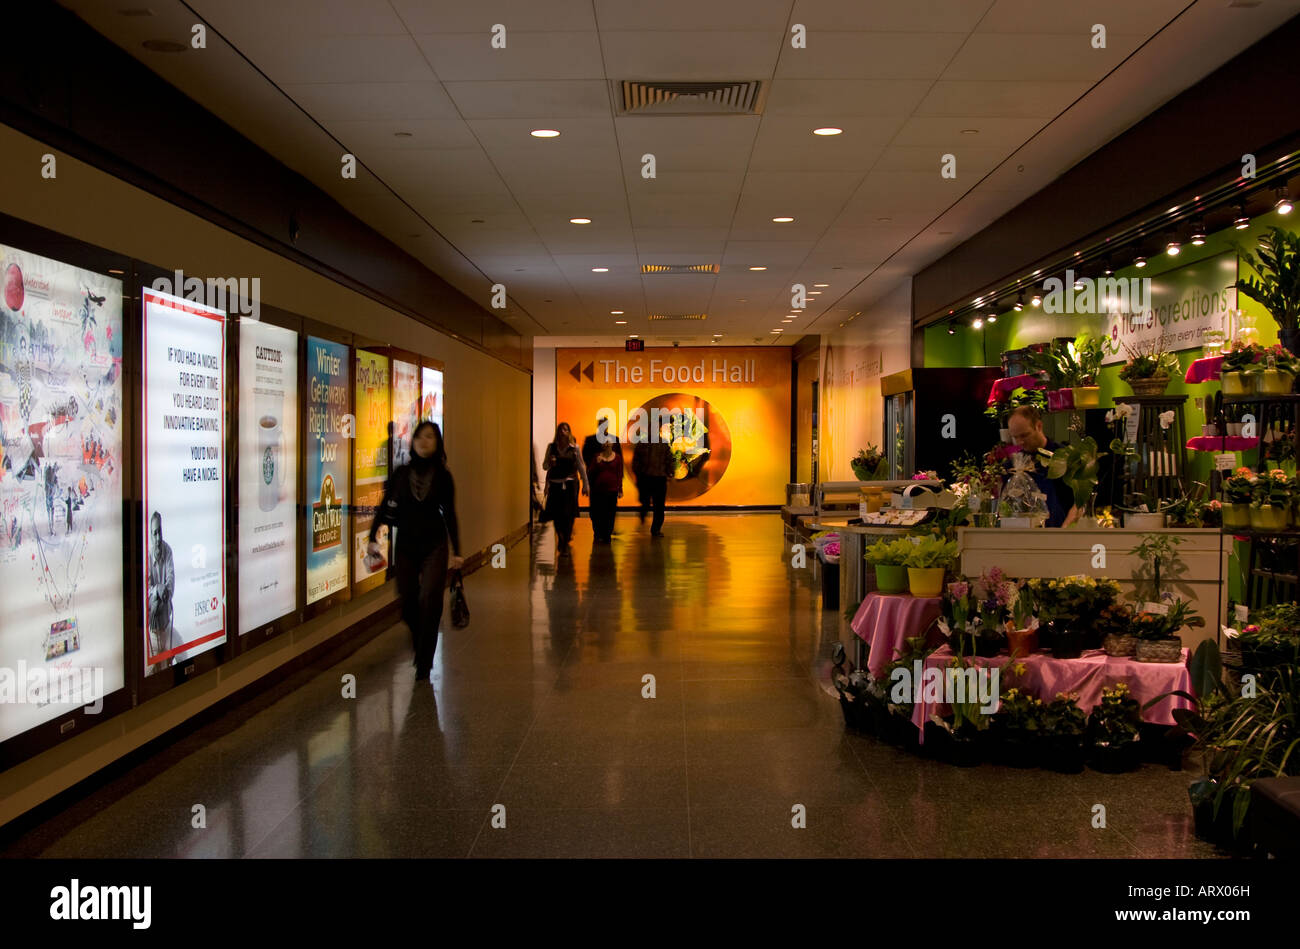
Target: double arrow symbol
<point>578,372</point>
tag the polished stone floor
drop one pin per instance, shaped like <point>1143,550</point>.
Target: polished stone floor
<point>538,712</point>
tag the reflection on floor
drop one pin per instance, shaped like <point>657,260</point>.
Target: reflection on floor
<point>541,706</point>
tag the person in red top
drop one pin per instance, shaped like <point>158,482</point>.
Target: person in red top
<point>606,476</point>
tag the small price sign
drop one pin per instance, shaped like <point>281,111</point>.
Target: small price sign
<point>1225,461</point>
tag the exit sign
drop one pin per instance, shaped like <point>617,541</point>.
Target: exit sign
<point>634,345</point>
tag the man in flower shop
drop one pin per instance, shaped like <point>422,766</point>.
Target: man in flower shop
<point>1026,426</point>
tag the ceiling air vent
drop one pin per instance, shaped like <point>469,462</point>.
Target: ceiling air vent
<point>679,268</point>
<point>676,316</point>
<point>691,98</point>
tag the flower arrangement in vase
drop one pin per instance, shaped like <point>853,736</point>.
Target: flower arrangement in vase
<point>1149,368</point>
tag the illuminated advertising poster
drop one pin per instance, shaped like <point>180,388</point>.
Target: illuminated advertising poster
<point>268,473</point>
<point>61,580</point>
<point>406,410</point>
<point>721,411</point>
<point>374,411</point>
<point>184,480</point>
<point>329,396</point>
<point>431,401</point>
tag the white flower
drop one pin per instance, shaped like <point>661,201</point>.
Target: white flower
<point>1110,417</point>
<point>1166,418</point>
<point>960,490</point>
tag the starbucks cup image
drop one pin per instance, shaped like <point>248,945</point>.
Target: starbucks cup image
<point>270,443</point>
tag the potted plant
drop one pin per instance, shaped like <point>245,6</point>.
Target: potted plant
<point>870,464</point>
<point>1273,641</point>
<point>1157,633</point>
<point>1238,370</point>
<point>1113,731</point>
<point>1080,363</point>
<point>889,557</point>
<point>898,727</point>
<point>1149,368</point>
<point>1238,492</point>
<point>1047,364</point>
<point>927,563</point>
<point>1017,726</point>
<point>1277,372</point>
<point>1076,466</point>
<point>1161,563</point>
<point>1270,505</point>
<point>1063,727</point>
<point>1069,607</point>
<point>1022,631</point>
<point>1275,283</point>
<point>1115,627</point>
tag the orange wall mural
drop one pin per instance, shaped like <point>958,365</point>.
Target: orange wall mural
<point>731,443</point>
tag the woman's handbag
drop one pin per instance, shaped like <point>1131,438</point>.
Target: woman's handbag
<point>459,606</point>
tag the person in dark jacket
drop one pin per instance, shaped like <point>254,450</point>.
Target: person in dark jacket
<point>651,464</point>
<point>565,471</point>
<point>591,445</point>
<point>605,472</point>
<point>420,501</point>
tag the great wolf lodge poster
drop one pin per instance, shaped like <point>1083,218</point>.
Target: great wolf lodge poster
<point>184,479</point>
<point>725,413</point>
<point>61,574</point>
<point>268,473</point>
<point>329,397</point>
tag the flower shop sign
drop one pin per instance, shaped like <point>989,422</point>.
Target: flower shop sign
<point>1182,306</point>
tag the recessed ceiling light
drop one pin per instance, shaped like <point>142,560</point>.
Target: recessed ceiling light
<point>163,46</point>
<point>634,336</point>
<point>782,220</point>
<point>778,331</point>
<point>543,133</point>
<point>829,130</point>
<point>119,272</point>
<point>615,312</point>
<point>970,131</point>
<point>579,220</point>
<point>821,284</point>
<point>600,270</point>
<point>621,322</point>
<point>787,321</point>
<point>978,323</point>
<point>757,268</point>
<point>813,293</point>
<point>993,318</point>
<point>884,220</point>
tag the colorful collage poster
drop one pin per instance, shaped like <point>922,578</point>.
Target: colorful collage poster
<point>184,480</point>
<point>374,414</point>
<point>431,401</point>
<point>406,410</point>
<point>61,574</point>
<point>329,399</point>
<point>268,473</point>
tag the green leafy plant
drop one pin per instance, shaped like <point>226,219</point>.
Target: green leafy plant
<point>933,552</point>
<point>1273,640</point>
<point>1115,620</point>
<point>1019,396</point>
<point>1062,716</point>
<point>1239,487</point>
<point>1082,360</point>
<point>889,553</point>
<point>1076,465</point>
<point>1149,361</point>
<point>1159,555</point>
<point>1076,599</point>
<point>1275,282</point>
<point>1249,357</point>
<point>1272,488</point>
<point>1019,712</point>
<point>1155,626</point>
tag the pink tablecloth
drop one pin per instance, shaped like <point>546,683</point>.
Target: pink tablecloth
<point>1204,370</point>
<point>1004,387</point>
<point>1093,671</point>
<point>1222,443</point>
<point>885,621</point>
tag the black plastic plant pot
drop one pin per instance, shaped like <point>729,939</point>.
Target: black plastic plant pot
<point>1115,759</point>
<point>1063,754</point>
<point>986,647</point>
<point>1017,751</point>
<point>903,733</point>
<point>1290,340</point>
<point>966,752</point>
<point>830,586</point>
<point>938,742</point>
<point>1067,644</point>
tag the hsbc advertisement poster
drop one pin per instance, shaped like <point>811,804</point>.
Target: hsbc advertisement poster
<point>268,473</point>
<point>61,600</point>
<point>184,479</point>
<point>329,401</point>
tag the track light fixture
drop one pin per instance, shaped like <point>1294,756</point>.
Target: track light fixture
<point>1242,222</point>
<point>1020,303</point>
<point>1283,205</point>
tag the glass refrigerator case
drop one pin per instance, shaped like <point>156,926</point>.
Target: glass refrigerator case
<point>934,416</point>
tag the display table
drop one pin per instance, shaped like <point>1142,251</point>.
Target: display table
<point>1045,677</point>
<point>1204,370</point>
<point>885,621</point>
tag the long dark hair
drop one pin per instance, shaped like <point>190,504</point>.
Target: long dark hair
<point>439,457</point>
<point>563,447</point>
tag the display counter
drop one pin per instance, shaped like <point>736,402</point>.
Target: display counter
<point>1100,552</point>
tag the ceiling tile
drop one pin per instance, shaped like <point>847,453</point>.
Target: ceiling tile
<point>435,170</point>
<point>785,144</point>
<point>372,101</point>
<point>529,56</point>
<point>238,18</point>
<point>1037,57</point>
<point>682,143</point>
<point>870,56</point>
<point>456,16</point>
<point>616,15</point>
<point>1118,16</point>
<point>561,98</point>
<point>946,132</point>
<point>919,16</point>
<point>1002,99</point>
<point>301,58</point>
<point>695,55</point>
<point>845,98</point>
<point>360,136</point>
<point>682,210</point>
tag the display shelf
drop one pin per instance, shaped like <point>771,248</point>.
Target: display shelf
<point>1251,532</point>
<point>1275,575</point>
<point>1002,388</point>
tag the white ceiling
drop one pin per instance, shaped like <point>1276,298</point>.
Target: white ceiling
<point>311,79</point>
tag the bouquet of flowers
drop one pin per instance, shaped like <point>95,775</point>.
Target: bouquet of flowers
<point>1148,361</point>
<point>870,464</point>
<point>1073,599</point>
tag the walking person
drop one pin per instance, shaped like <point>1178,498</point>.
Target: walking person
<point>565,473</point>
<point>420,501</point>
<point>651,463</point>
<point>606,474</point>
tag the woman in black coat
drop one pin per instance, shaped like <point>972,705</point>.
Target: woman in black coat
<point>565,475</point>
<point>420,500</point>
